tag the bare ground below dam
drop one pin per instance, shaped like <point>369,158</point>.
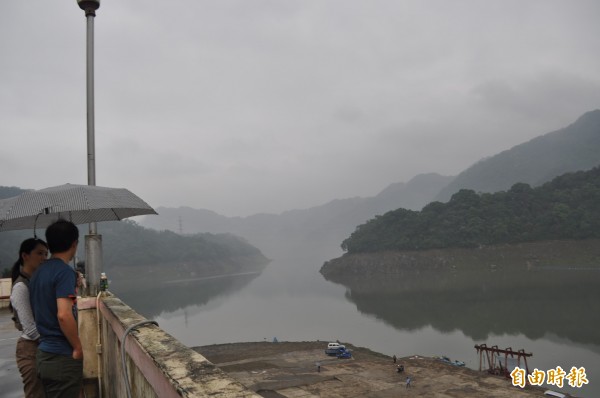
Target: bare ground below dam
<point>289,369</point>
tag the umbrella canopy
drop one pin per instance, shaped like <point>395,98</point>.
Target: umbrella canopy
<point>80,204</point>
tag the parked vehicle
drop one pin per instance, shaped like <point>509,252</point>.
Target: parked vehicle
<point>345,354</point>
<point>334,348</point>
<point>334,351</point>
<point>554,394</point>
<point>335,345</point>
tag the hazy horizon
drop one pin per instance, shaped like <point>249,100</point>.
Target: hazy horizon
<point>244,108</point>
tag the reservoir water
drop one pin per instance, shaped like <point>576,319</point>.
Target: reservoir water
<point>291,301</point>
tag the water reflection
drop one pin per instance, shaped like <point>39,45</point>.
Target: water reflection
<point>153,298</point>
<point>480,303</point>
<point>547,312</point>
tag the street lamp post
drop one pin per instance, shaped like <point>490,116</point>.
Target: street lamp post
<point>93,241</point>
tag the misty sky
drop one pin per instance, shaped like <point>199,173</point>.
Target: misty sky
<point>251,106</point>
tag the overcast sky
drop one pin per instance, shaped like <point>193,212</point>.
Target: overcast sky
<point>251,106</point>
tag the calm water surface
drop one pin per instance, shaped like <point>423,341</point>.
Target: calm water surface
<point>291,301</point>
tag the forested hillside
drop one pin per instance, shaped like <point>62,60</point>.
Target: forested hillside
<point>568,207</point>
<point>127,244</point>
<point>575,147</point>
<point>9,192</point>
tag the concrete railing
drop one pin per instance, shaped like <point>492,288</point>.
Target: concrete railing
<point>158,365</point>
<point>5,287</point>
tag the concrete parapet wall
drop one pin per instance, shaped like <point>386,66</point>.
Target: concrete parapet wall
<point>5,288</point>
<point>158,364</point>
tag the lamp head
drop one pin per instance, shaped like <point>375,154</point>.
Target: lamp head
<point>89,6</point>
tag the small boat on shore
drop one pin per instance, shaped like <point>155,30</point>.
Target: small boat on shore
<point>447,360</point>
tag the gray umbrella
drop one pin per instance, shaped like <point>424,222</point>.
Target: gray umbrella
<point>80,204</point>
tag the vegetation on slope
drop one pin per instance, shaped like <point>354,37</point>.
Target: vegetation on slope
<point>575,147</point>
<point>9,192</point>
<point>129,244</point>
<point>568,207</point>
<point>126,244</point>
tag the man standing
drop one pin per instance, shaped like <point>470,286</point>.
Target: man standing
<point>59,357</point>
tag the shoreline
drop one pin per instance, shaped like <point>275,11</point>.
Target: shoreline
<point>526,256</point>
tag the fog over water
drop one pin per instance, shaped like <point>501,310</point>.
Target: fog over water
<point>290,300</point>
<point>267,106</point>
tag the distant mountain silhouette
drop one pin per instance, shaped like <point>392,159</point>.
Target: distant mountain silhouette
<point>9,192</point>
<point>326,224</point>
<point>575,147</point>
<point>129,247</point>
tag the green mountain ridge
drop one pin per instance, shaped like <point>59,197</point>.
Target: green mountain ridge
<point>575,147</point>
<point>568,207</point>
<point>129,245</point>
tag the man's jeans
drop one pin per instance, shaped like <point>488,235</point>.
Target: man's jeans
<point>61,376</point>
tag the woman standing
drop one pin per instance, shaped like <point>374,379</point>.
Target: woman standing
<point>32,253</point>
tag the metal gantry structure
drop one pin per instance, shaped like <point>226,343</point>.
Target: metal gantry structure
<point>497,359</point>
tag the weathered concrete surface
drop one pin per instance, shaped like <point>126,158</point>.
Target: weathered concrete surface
<point>289,369</point>
<point>88,334</point>
<point>159,365</point>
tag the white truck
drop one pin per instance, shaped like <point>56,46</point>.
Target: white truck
<point>335,348</point>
